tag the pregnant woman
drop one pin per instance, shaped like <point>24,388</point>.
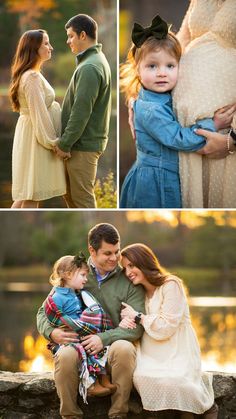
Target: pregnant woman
<point>168,373</point>
<point>207,82</point>
<point>37,173</point>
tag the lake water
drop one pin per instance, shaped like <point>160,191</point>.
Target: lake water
<point>22,349</point>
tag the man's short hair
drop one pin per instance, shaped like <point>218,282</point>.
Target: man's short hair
<point>103,232</point>
<point>84,23</point>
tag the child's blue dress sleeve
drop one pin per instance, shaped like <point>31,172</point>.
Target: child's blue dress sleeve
<point>161,124</point>
<point>206,123</point>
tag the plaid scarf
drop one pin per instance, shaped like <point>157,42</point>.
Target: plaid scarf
<point>92,320</point>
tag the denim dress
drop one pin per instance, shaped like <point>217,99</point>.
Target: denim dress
<point>153,180</point>
<point>68,301</point>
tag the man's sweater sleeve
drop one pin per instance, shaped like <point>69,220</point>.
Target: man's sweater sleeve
<point>43,324</point>
<point>135,299</point>
<point>87,85</point>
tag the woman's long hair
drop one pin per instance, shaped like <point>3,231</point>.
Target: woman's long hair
<point>143,258</point>
<point>129,78</point>
<point>26,57</point>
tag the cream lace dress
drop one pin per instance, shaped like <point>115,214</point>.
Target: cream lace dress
<point>207,81</point>
<point>168,372</point>
<point>37,174</point>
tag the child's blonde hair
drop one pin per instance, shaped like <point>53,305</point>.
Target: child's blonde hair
<point>64,265</point>
<point>129,78</point>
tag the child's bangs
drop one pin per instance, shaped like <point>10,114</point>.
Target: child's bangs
<point>169,44</point>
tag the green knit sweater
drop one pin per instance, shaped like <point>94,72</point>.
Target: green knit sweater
<point>86,107</point>
<point>110,294</point>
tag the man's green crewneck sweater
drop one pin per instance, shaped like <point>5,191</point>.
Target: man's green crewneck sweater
<point>87,104</point>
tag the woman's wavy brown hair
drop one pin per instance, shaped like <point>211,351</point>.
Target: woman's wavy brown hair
<point>26,57</point>
<point>143,258</point>
<point>129,77</point>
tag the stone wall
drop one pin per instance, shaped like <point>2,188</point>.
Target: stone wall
<point>33,395</point>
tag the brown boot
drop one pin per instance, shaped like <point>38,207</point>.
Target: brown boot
<point>96,390</point>
<point>105,382</point>
<point>212,413</point>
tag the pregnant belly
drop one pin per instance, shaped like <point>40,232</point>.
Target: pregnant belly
<point>207,81</point>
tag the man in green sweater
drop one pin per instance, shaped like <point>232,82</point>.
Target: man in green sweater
<point>85,112</point>
<point>109,285</point>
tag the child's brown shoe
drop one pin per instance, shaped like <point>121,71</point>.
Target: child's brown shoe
<point>97,390</point>
<point>105,382</point>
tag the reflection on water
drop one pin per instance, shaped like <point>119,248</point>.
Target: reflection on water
<point>36,355</point>
<point>213,301</point>
<point>216,331</point>
<point>22,349</point>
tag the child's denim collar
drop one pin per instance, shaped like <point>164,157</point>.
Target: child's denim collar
<point>64,290</point>
<point>150,96</point>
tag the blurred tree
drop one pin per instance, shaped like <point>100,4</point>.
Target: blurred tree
<point>16,229</point>
<point>52,15</point>
<point>59,234</point>
<point>30,236</point>
<point>8,35</point>
<point>213,245</point>
<point>29,11</point>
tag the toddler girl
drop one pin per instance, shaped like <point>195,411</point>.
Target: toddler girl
<point>151,71</point>
<point>69,306</point>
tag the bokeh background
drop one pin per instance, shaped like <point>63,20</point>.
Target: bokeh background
<point>17,16</point>
<point>170,10</point>
<point>199,246</point>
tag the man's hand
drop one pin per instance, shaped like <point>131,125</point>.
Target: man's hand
<point>216,146</point>
<point>92,344</point>
<point>223,117</point>
<point>61,336</point>
<point>62,154</point>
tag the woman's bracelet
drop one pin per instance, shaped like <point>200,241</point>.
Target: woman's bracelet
<point>227,143</point>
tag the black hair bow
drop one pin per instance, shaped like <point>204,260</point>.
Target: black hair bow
<point>158,29</point>
<point>79,259</point>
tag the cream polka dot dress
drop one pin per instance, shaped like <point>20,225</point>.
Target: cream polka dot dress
<point>207,82</point>
<point>37,173</point>
<point>168,373</point>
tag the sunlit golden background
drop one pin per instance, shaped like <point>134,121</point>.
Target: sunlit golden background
<point>199,246</point>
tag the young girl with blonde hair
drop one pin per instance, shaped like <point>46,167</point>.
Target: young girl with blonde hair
<point>68,305</point>
<point>151,71</point>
